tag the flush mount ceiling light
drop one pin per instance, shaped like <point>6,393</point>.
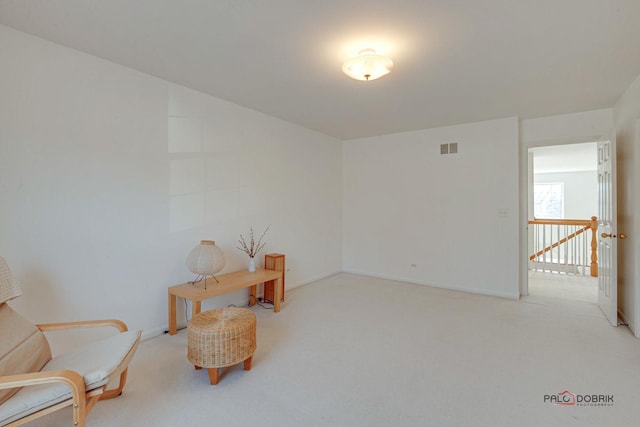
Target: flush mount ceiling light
<point>368,65</point>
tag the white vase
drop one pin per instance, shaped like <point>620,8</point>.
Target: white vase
<point>252,265</point>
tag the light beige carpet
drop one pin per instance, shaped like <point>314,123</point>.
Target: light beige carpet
<point>357,351</point>
<point>563,286</point>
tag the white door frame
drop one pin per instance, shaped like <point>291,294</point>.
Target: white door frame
<point>635,241</point>
<point>524,202</point>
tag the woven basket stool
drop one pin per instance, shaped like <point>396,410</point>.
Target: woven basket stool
<point>221,337</point>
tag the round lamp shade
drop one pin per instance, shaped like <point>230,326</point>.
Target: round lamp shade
<point>206,259</point>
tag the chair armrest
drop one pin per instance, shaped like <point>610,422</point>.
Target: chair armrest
<point>119,325</point>
<point>73,379</point>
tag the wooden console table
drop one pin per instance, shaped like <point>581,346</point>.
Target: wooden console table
<point>196,293</point>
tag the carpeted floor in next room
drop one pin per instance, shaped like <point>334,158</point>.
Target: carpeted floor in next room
<point>357,351</point>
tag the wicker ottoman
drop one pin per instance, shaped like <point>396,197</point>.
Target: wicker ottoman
<point>221,337</point>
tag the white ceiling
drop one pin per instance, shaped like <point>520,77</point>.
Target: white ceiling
<point>456,61</point>
<point>565,158</point>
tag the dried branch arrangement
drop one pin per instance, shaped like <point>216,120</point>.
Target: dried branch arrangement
<point>252,248</point>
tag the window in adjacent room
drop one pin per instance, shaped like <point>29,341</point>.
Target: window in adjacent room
<point>548,200</point>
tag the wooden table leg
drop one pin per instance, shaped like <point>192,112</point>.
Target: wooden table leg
<point>195,308</point>
<point>252,295</point>
<point>173,328</point>
<point>277,294</point>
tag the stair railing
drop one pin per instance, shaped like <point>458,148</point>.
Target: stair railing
<point>562,245</point>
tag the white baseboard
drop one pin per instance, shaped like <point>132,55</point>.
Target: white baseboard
<point>630,325</point>
<point>506,295</point>
<point>314,279</point>
<point>160,330</point>
<point>152,333</point>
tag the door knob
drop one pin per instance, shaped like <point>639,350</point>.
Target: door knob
<point>620,236</point>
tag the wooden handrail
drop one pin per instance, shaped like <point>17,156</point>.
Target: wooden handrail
<point>591,224</point>
<point>583,222</point>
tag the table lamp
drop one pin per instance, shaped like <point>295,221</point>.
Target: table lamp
<point>205,260</point>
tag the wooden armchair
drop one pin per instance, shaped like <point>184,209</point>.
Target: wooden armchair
<point>33,384</point>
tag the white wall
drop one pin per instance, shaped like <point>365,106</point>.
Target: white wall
<point>627,115</point>
<point>405,204</point>
<point>585,126</point>
<point>108,177</point>
<point>580,191</point>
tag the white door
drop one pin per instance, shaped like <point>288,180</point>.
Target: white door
<point>607,228</point>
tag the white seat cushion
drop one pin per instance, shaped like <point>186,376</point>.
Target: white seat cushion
<point>94,361</point>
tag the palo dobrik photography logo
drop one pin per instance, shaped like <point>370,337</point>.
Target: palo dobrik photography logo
<point>564,398</point>
<point>568,398</point>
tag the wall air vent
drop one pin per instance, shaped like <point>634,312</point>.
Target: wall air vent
<point>451,148</point>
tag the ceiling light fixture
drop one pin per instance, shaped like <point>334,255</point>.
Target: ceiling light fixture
<point>368,65</point>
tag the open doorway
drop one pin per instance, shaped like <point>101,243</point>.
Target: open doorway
<point>562,204</point>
